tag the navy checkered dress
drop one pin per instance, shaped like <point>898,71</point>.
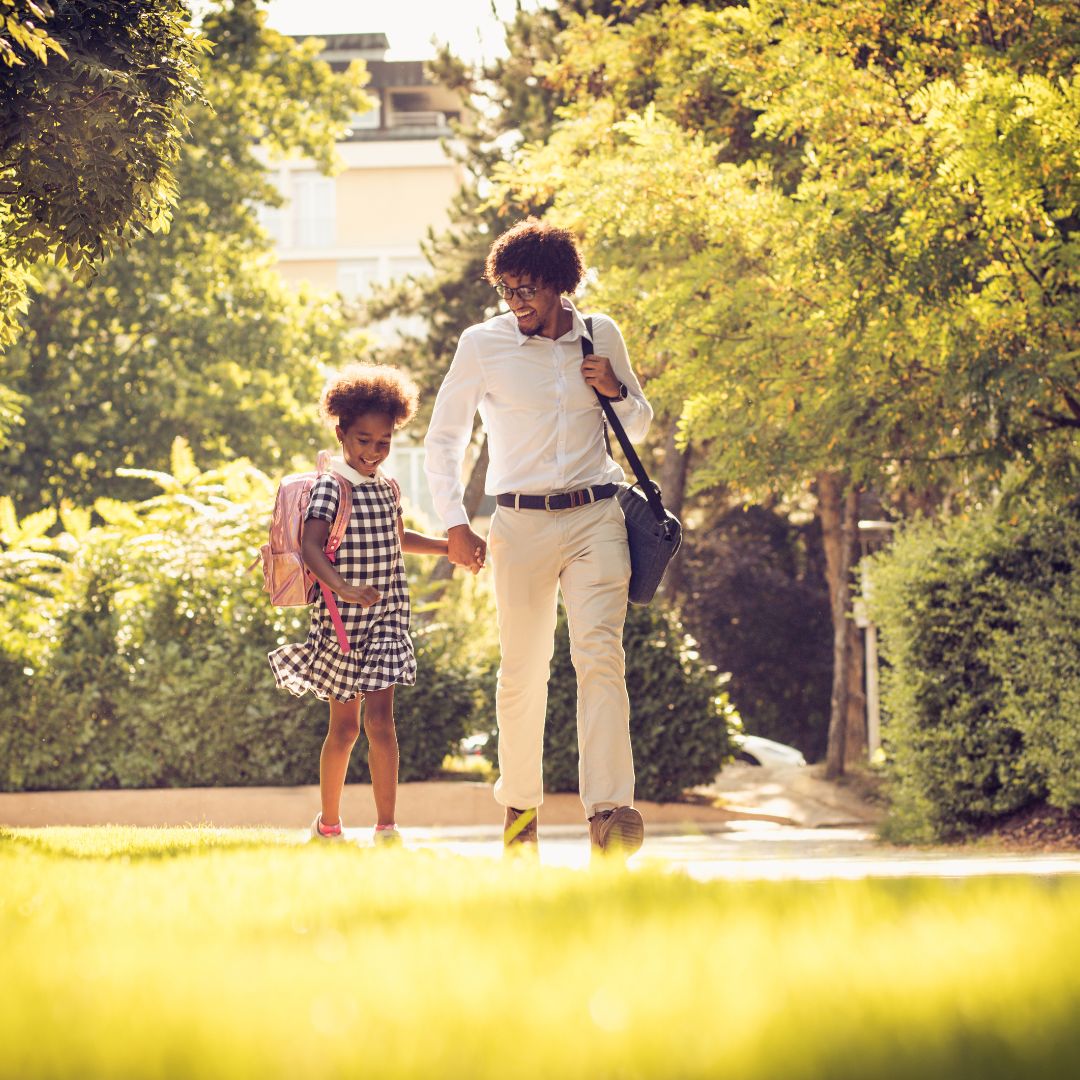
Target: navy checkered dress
<point>381,649</point>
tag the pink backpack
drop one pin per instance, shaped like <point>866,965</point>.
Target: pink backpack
<point>287,580</point>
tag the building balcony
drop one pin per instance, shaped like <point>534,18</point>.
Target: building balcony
<point>426,124</point>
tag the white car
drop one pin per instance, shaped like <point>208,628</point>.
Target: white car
<point>754,750</point>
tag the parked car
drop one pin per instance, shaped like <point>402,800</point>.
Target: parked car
<point>474,745</point>
<point>755,750</point>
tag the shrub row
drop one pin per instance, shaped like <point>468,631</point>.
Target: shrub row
<point>680,717</point>
<point>980,624</point>
<point>182,695</point>
<point>134,655</point>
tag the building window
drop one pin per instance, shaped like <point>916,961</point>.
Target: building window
<point>402,266</point>
<point>272,219</point>
<point>356,276</point>
<point>367,121</point>
<point>314,201</point>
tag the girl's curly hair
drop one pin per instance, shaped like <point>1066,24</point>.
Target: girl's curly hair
<point>364,388</point>
<point>549,255</point>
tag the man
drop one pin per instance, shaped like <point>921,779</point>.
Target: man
<point>556,524</point>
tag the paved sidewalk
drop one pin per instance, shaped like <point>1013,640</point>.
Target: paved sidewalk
<point>441,804</point>
<point>754,851</point>
<point>460,818</point>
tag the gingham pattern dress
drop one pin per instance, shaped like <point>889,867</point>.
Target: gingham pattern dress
<point>381,652</point>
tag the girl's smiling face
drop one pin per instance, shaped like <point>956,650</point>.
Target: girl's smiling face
<point>365,443</point>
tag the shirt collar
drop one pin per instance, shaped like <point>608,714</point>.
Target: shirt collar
<point>577,327</point>
<point>343,468</point>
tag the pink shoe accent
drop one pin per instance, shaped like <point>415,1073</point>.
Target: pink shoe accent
<point>328,830</point>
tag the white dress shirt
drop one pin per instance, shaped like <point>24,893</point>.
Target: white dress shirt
<point>544,424</point>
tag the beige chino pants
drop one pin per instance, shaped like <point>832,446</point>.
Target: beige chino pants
<point>583,552</point>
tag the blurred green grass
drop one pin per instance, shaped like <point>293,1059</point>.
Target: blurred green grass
<point>236,953</point>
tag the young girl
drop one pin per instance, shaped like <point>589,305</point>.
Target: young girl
<point>367,404</point>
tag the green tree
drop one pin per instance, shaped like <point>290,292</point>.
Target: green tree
<point>93,109</point>
<point>512,104</point>
<point>192,332</point>
<point>879,288</point>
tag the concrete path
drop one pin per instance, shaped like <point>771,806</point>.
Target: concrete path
<point>771,826</point>
<point>789,794</point>
<point>754,851</point>
<point>446,804</point>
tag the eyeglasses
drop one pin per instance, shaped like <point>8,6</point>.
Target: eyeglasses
<point>524,292</point>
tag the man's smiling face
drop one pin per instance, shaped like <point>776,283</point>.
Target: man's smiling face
<point>538,315</point>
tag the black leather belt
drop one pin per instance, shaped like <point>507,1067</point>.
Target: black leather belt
<point>564,500</point>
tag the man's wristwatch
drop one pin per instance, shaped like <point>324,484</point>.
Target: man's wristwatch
<point>621,395</point>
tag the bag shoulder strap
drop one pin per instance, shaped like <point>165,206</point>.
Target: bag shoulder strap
<point>648,488</point>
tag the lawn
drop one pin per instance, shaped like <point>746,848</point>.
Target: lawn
<point>194,952</point>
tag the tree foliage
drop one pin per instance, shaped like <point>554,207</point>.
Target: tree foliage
<point>848,233</point>
<point>93,110</point>
<point>883,281</point>
<point>192,332</point>
<point>511,105</point>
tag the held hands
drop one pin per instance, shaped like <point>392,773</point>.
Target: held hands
<point>465,548</point>
<point>597,372</point>
<point>364,595</point>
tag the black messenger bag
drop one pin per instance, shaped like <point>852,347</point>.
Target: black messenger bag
<point>653,533</point>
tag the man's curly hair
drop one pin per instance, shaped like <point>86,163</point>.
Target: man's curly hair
<point>545,253</point>
<point>364,388</point>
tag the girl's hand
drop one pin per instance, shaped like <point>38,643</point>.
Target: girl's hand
<point>364,595</point>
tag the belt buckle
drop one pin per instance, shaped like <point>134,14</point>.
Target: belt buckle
<point>547,502</point>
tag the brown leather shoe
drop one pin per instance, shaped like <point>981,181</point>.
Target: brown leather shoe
<point>617,832</point>
<point>519,827</point>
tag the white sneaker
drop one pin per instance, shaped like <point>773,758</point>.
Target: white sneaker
<point>387,837</point>
<point>317,834</point>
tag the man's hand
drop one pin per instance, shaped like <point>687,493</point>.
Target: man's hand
<point>598,374</point>
<point>364,595</point>
<point>465,548</point>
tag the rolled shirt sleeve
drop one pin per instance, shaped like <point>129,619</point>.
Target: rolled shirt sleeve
<point>450,432</point>
<point>635,413</point>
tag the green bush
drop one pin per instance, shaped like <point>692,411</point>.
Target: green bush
<point>153,671</point>
<point>980,625</point>
<point>680,716</point>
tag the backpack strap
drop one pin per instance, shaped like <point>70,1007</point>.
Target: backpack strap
<point>341,518</point>
<point>333,542</point>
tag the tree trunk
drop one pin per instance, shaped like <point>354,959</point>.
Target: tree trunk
<point>838,508</point>
<point>672,480</point>
<point>474,492</point>
<point>856,747</point>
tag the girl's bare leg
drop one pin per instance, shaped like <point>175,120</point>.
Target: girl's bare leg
<point>334,760</point>
<point>382,751</point>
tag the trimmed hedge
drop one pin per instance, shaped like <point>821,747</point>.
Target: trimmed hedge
<point>680,716</point>
<point>980,625</point>
<point>155,674</point>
